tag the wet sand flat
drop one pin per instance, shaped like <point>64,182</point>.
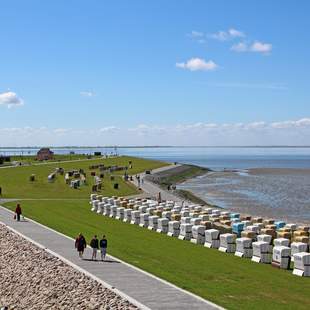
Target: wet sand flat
<point>279,171</point>
<point>270,192</point>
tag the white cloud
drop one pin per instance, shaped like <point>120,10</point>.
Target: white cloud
<point>196,34</point>
<point>231,34</point>
<point>256,47</point>
<point>10,99</point>
<point>220,35</point>
<point>87,93</point>
<point>255,125</point>
<point>227,35</point>
<point>302,123</point>
<point>239,47</point>
<point>145,130</point>
<point>61,131</point>
<point>197,64</point>
<point>287,132</point>
<point>261,47</point>
<point>236,33</point>
<point>109,129</point>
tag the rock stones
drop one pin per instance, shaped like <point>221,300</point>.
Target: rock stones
<point>31,278</point>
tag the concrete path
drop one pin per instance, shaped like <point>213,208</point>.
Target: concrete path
<point>152,190</point>
<point>148,290</point>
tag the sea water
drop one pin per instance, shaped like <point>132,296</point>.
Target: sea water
<point>216,158</point>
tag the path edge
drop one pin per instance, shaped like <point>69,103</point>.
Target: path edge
<point>127,264</point>
<point>85,272</point>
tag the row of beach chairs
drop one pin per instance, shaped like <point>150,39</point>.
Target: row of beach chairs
<point>260,240</point>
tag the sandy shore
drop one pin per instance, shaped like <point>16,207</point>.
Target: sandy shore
<point>31,278</point>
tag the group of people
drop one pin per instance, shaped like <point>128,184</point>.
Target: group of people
<point>139,180</point>
<point>95,244</point>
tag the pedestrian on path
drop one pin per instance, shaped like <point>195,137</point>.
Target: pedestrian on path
<point>18,212</point>
<point>80,244</point>
<point>103,247</point>
<point>159,197</point>
<point>94,243</point>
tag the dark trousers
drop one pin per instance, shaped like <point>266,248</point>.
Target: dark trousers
<point>18,217</point>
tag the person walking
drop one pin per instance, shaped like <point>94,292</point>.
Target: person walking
<point>18,212</point>
<point>159,197</point>
<point>94,243</point>
<point>80,244</point>
<point>103,247</point>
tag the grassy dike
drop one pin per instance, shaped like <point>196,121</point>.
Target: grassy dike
<point>15,180</point>
<point>222,278</point>
<point>176,175</point>
<point>179,175</point>
<point>31,159</point>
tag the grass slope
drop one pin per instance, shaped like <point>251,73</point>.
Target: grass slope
<point>177,175</point>
<point>225,279</point>
<point>15,180</point>
<point>222,278</point>
<point>31,159</point>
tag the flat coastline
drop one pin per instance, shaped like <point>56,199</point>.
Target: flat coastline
<point>279,193</point>
<point>280,171</point>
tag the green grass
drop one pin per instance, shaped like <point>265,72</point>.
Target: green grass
<point>222,278</point>
<point>15,180</point>
<point>31,159</point>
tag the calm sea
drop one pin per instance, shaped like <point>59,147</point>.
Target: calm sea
<point>216,158</point>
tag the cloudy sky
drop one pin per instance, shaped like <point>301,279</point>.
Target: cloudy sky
<point>154,72</point>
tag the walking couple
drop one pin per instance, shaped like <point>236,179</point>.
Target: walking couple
<point>95,244</point>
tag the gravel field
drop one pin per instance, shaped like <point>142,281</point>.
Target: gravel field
<point>31,278</point>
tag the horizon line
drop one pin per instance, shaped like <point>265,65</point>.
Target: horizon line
<point>155,146</point>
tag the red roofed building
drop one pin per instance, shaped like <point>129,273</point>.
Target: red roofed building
<point>45,154</point>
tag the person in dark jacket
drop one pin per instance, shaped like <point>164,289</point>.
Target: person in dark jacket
<point>80,244</point>
<point>103,247</point>
<point>94,243</point>
<point>18,212</point>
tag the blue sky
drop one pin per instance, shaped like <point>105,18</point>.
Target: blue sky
<point>154,72</point>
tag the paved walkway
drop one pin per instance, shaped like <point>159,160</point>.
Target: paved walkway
<point>152,190</point>
<point>148,290</point>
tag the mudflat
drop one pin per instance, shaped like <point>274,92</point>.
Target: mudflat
<point>279,171</point>
<point>268,192</point>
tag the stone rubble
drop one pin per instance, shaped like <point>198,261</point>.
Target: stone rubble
<point>31,278</point>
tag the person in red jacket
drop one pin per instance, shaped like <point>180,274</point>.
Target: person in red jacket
<point>18,212</point>
<point>80,244</point>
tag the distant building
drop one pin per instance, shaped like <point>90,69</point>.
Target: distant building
<point>45,154</point>
<point>4,159</point>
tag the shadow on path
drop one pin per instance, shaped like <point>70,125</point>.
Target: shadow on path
<point>100,261</point>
